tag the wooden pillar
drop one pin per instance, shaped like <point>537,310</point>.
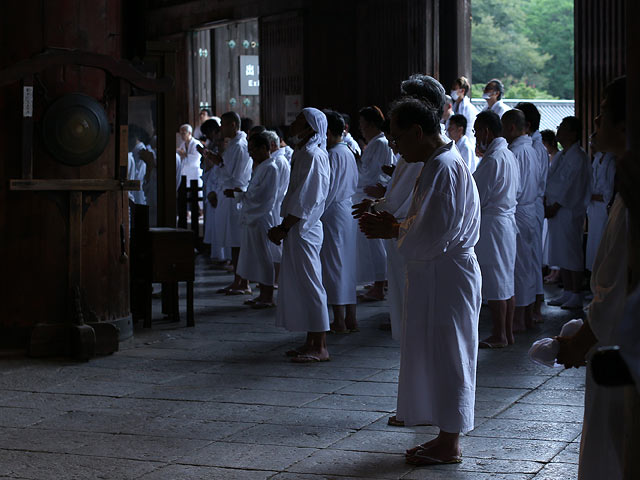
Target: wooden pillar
<point>455,41</point>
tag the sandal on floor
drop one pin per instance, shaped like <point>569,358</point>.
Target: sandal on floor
<point>251,301</point>
<point>261,305</point>
<point>307,358</point>
<point>233,291</point>
<point>394,422</point>
<point>485,344</point>
<point>293,353</point>
<point>419,459</point>
<point>223,290</point>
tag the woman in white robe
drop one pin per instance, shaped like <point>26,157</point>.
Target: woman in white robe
<point>338,254</point>
<point>372,256</point>
<point>602,188</point>
<point>567,196</point>
<point>302,300</point>
<point>443,282</point>
<point>462,106</point>
<point>255,261</point>
<point>190,156</point>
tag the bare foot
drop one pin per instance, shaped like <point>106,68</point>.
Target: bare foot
<point>438,452</point>
<point>494,342</point>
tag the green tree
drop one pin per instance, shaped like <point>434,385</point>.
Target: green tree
<point>549,23</point>
<point>499,46</point>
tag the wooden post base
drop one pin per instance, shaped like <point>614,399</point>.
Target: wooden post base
<point>81,342</point>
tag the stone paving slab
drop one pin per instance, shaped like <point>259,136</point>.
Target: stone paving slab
<point>221,401</point>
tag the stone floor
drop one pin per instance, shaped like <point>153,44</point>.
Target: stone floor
<point>220,401</point>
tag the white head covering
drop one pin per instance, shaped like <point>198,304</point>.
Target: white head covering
<point>318,122</point>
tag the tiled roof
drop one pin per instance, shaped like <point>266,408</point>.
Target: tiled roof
<point>551,111</point>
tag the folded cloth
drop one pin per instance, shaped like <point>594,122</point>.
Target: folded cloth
<point>545,351</point>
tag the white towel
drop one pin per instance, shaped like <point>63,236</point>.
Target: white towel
<point>545,351</point>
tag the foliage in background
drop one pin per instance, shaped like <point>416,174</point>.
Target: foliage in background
<point>528,44</point>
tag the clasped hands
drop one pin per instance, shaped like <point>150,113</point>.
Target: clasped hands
<point>375,224</point>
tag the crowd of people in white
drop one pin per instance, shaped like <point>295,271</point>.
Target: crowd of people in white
<point>440,206</point>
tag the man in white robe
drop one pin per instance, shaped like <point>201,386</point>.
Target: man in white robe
<point>302,300</point>
<point>348,138</point>
<point>460,91</point>
<point>190,156</point>
<point>457,127</point>
<point>602,189</point>
<point>567,196</point>
<point>493,92</point>
<point>372,256</point>
<point>284,171</point>
<point>138,140</point>
<point>255,260</point>
<point>602,446</point>
<point>532,116</point>
<point>443,282</point>
<point>497,179</point>
<point>232,170</point>
<point>514,128</point>
<point>338,254</point>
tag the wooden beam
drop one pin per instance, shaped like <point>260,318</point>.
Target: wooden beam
<point>76,184</point>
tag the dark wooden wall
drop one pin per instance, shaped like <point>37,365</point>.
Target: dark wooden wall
<point>33,242</point>
<point>455,41</point>
<point>600,48</point>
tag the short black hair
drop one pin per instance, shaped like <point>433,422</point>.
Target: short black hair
<point>531,114</point>
<point>616,94</point>
<point>232,117</point>
<point>459,120</point>
<point>205,109</point>
<point>491,120</point>
<point>261,140</point>
<point>335,122</point>
<point>210,126</point>
<point>347,118</point>
<point>256,129</point>
<point>496,84</point>
<point>409,111</point>
<point>136,132</point>
<point>549,136</point>
<point>516,118</point>
<point>425,87</point>
<point>573,124</point>
<point>372,115</point>
<point>386,126</point>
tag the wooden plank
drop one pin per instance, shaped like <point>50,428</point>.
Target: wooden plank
<point>75,184</point>
<point>75,240</point>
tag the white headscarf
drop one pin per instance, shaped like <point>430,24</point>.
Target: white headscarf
<point>318,123</point>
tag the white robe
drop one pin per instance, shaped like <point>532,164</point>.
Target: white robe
<point>526,270</point>
<point>255,261</point>
<point>467,152</point>
<point>602,183</point>
<point>288,152</point>
<point>338,254</point>
<point>190,165</point>
<point>603,426</point>
<point>497,179</point>
<point>209,184</point>
<point>284,170</point>
<point>139,172</point>
<point>234,172</point>
<point>150,189</point>
<point>302,300</point>
<point>469,111</point>
<point>545,225</point>
<point>499,107</point>
<point>397,201</point>
<point>372,256</point>
<point>349,140</point>
<point>543,170</point>
<point>442,297</point>
<point>568,184</point>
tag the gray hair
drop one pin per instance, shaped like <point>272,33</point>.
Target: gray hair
<point>426,89</point>
<point>272,136</point>
<point>188,127</point>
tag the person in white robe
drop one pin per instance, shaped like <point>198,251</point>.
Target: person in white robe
<point>232,170</point>
<point>443,281</point>
<point>460,91</point>
<point>446,115</point>
<point>348,138</point>
<point>138,140</point>
<point>532,116</point>
<point>190,156</point>
<point>602,190</point>
<point>198,134</point>
<point>497,179</point>
<point>255,260</point>
<point>493,92</point>
<point>551,145</point>
<point>302,300</point>
<point>338,254</point>
<point>372,256</point>
<point>566,199</point>
<point>457,127</point>
<point>284,171</point>
<point>514,130</point>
